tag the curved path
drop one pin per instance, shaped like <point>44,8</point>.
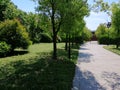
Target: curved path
<point>97,69</point>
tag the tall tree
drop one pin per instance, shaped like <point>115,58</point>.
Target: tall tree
<point>59,12</point>
<point>116,22</point>
<point>73,20</point>
<point>52,9</point>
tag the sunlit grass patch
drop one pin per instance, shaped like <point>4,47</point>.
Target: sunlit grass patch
<point>113,49</point>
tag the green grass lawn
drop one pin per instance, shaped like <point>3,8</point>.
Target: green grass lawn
<point>113,49</point>
<point>35,70</point>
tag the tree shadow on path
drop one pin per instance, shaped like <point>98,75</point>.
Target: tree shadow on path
<point>112,79</point>
<point>85,81</point>
<point>84,57</point>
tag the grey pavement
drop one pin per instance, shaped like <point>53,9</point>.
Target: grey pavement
<point>96,69</point>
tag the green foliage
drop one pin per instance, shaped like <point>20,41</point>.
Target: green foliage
<point>3,7</point>
<point>8,10</point>
<point>116,22</point>
<point>102,34</point>
<point>14,34</point>
<point>63,14</point>
<point>45,37</point>
<point>103,39</point>
<point>86,34</point>
<point>4,48</point>
<point>34,29</point>
<point>101,30</point>
<point>100,5</point>
<point>11,11</point>
<point>36,25</point>
<point>78,39</point>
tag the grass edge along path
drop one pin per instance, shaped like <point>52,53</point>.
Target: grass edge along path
<point>113,49</point>
<point>37,71</point>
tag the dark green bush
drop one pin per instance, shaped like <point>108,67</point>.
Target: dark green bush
<point>104,39</point>
<point>45,37</point>
<point>14,34</point>
<point>77,39</point>
<point>4,48</point>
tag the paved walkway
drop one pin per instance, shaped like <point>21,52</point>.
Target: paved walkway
<point>97,69</point>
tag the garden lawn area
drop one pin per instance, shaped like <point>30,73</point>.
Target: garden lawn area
<point>35,70</point>
<point>113,49</point>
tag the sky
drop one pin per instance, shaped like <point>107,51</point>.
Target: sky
<point>92,21</point>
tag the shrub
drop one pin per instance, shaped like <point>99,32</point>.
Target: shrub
<point>4,48</point>
<point>104,39</point>
<point>45,37</point>
<point>77,39</point>
<point>14,34</point>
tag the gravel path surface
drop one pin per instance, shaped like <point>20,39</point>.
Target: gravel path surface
<point>97,69</point>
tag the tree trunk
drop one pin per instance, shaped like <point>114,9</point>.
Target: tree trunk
<point>54,46</point>
<point>117,45</point>
<point>66,42</point>
<point>54,33</point>
<point>69,50</point>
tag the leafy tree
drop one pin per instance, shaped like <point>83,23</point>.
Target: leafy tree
<point>33,27</point>
<point>101,6</point>
<point>60,12</point>
<point>86,34</point>
<point>14,34</point>
<point>116,22</point>
<point>38,25</point>
<point>101,30</point>
<point>51,8</point>
<point>3,6</point>
<point>11,11</point>
<point>102,34</point>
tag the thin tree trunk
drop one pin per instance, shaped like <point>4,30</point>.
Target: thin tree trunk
<point>54,47</point>
<point>66,42</point>
<point>69,50</point>
<point>117,46</point>
<point>54,33</point>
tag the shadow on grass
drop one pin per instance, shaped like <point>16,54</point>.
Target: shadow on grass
<point>15,53</point>
<point>116,48</point>
<point>20,52</point>
<point>39,74</point>
<point>62,54</point>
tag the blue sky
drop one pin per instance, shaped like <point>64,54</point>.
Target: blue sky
<point>92,22</point>
<point>25,5</point>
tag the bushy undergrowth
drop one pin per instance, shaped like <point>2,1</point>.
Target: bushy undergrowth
<point>45,37</point>
<point>4,49</point>
<point>14,34</point>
